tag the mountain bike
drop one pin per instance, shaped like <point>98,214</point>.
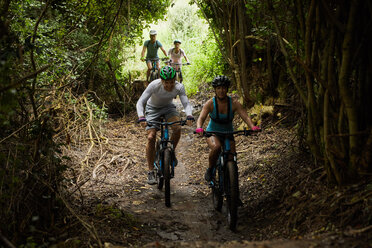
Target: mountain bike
<point>165,159</point>
<point>179,77</point>
<point>225,181</point>
<point>154,74</point>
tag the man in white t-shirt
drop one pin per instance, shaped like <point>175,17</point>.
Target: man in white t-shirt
<point>158,99</point>
<point>176,54</point>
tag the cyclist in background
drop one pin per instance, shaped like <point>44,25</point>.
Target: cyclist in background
<point>221,109</point>
<point>152,47</point>
<point>176,54</point>
<point>158,98</point>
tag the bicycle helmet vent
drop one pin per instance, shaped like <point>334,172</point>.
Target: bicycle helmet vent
<point>153,32</point>
<point>221,81</point>
<point>167,73</point>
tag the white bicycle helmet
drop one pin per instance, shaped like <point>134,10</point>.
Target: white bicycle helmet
<point>153,32</point>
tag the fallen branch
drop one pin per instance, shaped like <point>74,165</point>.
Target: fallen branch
<point>89,124</point>
<point>23,79</point>
<point>6,242</point>
<point>126,165</point>
<point>98,166</point>
<point>89,228</point>
<point>357,231</point>
<point>94,176</point>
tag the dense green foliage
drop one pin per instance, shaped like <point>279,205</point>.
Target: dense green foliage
<point>313,54</point>
<point>183,22</point>
<point>57,64</point>
<point>64,63</point>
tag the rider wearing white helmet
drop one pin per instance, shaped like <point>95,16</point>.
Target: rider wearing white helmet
<point>152,47</point>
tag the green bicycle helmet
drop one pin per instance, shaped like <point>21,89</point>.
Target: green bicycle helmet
<point>167,73</point>
<point>221,81</point>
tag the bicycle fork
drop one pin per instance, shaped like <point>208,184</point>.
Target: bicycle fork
<point>160,154</point>
<point>221,166</point>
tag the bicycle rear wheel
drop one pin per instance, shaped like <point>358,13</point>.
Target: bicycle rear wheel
<point>167,176</point>
<point>217,190</point>
<point>232,194</point>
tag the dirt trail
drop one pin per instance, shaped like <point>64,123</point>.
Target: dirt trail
<point>191,221</point>
<point>190,217</point>
<point>127,212</point>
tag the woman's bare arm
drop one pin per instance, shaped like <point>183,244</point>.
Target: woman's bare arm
<point>242,113</point>
<point>207,108</point>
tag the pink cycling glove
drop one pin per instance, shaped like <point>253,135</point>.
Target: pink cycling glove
<point>199,130</point>
<point>255,128</point>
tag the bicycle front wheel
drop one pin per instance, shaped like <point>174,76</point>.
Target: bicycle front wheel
<point>178,78</point>
<point>159,173</point>
<point>217,190</point>
<point>232,194</point>
<point>167,176</point>
<point>153,76</point>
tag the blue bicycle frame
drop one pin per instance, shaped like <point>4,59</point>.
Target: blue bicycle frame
<point>164,144</point>
<point>221,162</point>
<point>226,185</point>
<point>164,158</point>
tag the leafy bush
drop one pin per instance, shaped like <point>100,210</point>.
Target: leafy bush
<point>184,23</point>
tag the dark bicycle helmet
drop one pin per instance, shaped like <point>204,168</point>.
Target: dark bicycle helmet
<point>176,41</point>
<point>221,81</point>
<point>167,73</point>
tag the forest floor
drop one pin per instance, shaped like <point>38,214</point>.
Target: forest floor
<point>286,200</point>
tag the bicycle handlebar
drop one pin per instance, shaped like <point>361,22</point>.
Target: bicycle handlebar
<point>171,63</point>
<point>152,123</point>
<point>241,132</point>
<point>162,59</point>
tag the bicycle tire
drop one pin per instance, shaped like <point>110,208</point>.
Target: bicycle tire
<point>167,176</point>
<point>159,178</point>
<point>232,194</point>
<point>217,196</point>
<point>153,76</point>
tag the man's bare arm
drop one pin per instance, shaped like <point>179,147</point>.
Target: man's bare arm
<point>165,53</point>
<point>143,51</point>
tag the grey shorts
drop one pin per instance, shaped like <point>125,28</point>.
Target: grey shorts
<point>155,114</point>
<point>153,59</point>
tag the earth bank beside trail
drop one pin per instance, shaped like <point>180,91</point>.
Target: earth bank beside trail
<point>282,191</point>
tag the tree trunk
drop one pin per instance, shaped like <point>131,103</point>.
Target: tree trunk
<point>114,81</point>
<point>346,97</point>
<point>243,57</point>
